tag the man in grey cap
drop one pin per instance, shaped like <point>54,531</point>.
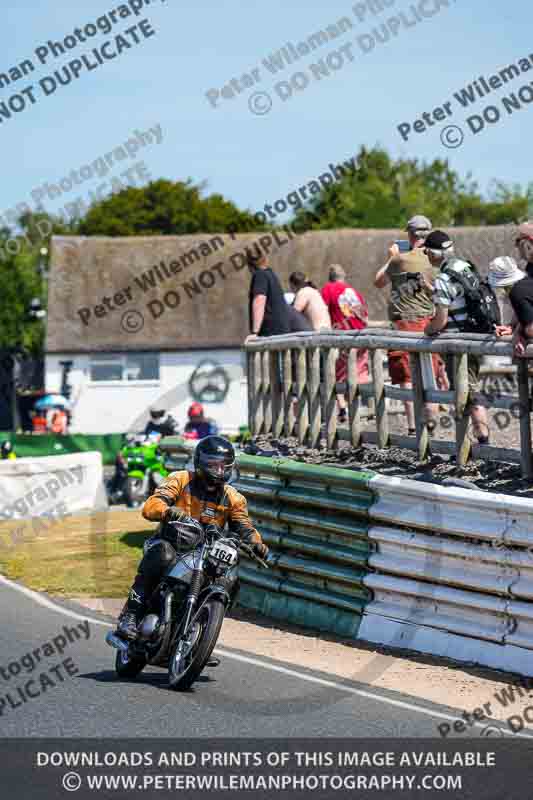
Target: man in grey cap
<point>411,306</point>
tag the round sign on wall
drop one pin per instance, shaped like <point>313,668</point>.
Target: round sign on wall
<point>209,383</point>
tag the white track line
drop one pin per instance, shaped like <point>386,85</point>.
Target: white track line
<point>43,601</point>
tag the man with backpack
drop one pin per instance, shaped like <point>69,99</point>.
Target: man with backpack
<point>464,303</point>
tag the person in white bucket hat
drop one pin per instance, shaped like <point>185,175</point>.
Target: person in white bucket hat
<point>503,273</point>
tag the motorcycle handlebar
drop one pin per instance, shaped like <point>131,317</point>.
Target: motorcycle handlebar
<point>238,543</point>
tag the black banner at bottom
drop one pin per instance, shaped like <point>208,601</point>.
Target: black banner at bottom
<point>289,768</point>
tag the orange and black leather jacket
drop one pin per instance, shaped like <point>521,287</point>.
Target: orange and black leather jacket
<point>224,506</point>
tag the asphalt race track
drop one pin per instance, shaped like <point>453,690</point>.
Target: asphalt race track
<point>80,696</point>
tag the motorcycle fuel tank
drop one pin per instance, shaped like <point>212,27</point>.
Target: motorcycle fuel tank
<point>183,569</point>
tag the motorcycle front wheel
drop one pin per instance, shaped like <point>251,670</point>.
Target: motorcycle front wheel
<point>202,637</point>
<point>134,492</point>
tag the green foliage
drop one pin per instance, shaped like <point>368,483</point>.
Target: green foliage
<point>20,283</point>
<point>164,208</point>
<point>383,193</point>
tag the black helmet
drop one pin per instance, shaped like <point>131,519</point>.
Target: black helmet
<point>157,414</point>
<point>214,459</point>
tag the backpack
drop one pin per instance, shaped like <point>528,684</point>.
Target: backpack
<point>482,307</point>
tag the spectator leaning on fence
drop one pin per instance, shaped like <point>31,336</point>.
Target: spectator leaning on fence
<point>502,276</point>
<point>348,311</point>
<point>410,276</point>
<point>524,243</point>
<point>504,273</point>
<point>308,301</point>
<point>267,307</point>
<point>450,315</point>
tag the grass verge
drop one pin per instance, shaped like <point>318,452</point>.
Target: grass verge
<point>93,556</point>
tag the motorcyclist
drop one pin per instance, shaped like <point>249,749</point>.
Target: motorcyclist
<point>193,499</point>
<point>6,451</point>
<point>160,422</point>
<point>198,425</point>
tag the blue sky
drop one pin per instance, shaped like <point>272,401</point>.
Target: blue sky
<point>251,158</point>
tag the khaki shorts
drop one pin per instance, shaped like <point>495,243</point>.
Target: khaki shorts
<point>474,364</point>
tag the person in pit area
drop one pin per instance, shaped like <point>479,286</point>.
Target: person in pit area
<point>199,426</point>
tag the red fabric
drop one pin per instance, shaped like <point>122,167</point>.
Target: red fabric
<point>399,364</point>
<point>347,318</point>
<point>59,422</point>
<point>358,318</point>
<point>39,424</point>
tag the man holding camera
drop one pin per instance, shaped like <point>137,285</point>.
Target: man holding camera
<point>411,276</point>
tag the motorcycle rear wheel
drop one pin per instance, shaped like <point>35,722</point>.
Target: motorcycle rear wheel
<point>183,673</point>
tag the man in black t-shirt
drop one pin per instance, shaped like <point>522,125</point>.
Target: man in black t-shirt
<point>521,294</point>
<point>268,312</point>
<point>521,299</point>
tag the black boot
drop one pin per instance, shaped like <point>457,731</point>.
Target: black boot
<point>127,626</point>
<point>134,611</point>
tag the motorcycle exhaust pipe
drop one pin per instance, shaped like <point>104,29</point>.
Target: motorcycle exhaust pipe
<point>115,641</point>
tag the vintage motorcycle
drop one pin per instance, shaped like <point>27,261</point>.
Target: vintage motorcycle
<point>186,611</point>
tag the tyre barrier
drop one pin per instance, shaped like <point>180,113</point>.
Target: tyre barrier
<point>439,570</point>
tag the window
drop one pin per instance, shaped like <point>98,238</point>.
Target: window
<point>128,367</point>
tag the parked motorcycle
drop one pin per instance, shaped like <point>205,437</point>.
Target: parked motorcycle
<point>186,611</point>
<point>140,468</point>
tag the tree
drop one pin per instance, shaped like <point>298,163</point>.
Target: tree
<point>383,193</point>
<point>164,208</point>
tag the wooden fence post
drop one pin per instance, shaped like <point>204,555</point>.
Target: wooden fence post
<point>315,405</point>
<point>267,392</point>
<point>354,399</point>
<point>275,391</point>
<point>382,423</point>
<point>302,419</point>
<point>257,387</point>
<point>462,416</point>
<point>288,400</point>
<point>422,432</point>
<point>524,404</point>
<point>330,404</point>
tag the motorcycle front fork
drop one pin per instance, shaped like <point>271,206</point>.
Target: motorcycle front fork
<point>192,599</point>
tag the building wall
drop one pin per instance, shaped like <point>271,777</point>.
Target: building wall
<point>209,296</point>
<point>119,406</point>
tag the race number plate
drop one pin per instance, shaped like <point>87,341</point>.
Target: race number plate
<point>224,553</point>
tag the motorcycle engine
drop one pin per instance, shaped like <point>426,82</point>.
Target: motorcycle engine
<point>149,627</point>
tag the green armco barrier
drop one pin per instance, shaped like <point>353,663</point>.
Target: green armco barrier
<point>48,444</point>
<point>315,521</point>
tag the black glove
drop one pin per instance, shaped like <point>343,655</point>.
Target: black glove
<point>260,549</point>
<point>188,531</point>
<point>175,514</point>
<point>213,531</point>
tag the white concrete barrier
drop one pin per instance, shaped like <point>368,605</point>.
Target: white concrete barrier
<point>51,486</point>
<point>452,573</point>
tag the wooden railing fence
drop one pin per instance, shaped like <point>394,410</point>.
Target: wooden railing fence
<point>292,391</point>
